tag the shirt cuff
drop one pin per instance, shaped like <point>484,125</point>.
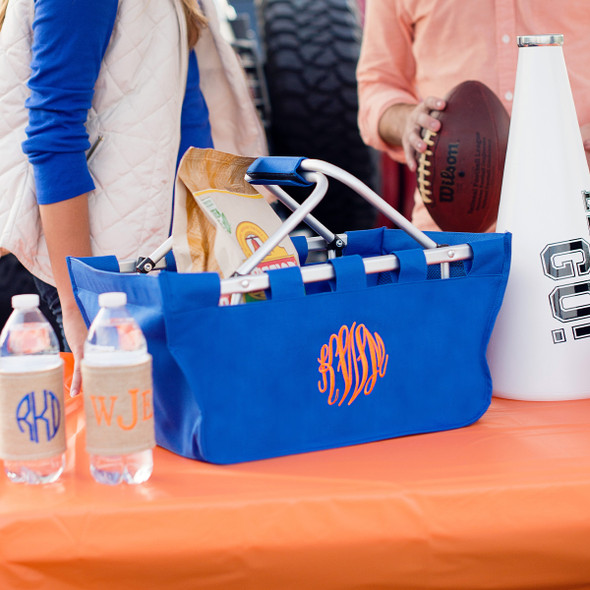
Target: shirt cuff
<point>373,105</point>
<point>61,176</point>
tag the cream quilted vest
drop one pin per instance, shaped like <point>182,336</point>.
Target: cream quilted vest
<point>136,111</point>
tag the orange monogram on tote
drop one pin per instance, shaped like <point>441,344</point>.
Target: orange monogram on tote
<point>359,357</point>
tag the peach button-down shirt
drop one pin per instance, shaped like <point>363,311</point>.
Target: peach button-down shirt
<point>415,48</point>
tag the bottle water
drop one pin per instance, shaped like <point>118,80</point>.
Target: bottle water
<point>31,386</point>
<point>114,353</point>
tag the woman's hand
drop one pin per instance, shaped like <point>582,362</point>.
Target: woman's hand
<point>75,331</point>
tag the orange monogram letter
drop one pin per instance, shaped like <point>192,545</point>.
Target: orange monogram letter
<point>133,393</point>
<point>102,412</point>
<point>344,353</point>
<point>327,373</point>
<point>148,410</point>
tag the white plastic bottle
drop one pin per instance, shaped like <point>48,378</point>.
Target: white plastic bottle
<point>117,384</point>
<point>31,396</point>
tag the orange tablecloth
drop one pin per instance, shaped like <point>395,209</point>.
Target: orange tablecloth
<point>504,503</point>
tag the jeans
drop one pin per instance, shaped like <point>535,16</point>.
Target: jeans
<point>48,293</point>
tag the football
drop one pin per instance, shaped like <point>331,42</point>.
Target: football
<point>460,175</point>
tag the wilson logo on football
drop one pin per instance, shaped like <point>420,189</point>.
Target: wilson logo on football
<point>351,363</point>
<point>459,175</point>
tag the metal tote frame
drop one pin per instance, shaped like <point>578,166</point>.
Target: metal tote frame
<point>315,172</point>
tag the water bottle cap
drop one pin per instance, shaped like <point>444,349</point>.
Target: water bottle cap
<point>25,301</point>
<point>537,40</point>
<point>115,299</point>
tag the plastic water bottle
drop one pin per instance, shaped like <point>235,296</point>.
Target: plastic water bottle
<point>117,384</point>
<point>31,396</point>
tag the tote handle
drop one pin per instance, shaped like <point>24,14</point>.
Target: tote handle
<point>274,171</point>
<point>277,170</point>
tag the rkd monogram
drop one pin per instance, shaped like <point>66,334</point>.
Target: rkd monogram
<point>39,416</point>
<point>358,356</point>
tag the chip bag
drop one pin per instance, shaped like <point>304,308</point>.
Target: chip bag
<point>220,220</point>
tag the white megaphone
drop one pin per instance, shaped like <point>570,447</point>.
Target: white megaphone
<point>540,345</point>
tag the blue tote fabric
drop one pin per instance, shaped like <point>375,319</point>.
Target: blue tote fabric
<point>361,358</point>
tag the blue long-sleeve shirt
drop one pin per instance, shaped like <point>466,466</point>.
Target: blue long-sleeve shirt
<point>70,40</point>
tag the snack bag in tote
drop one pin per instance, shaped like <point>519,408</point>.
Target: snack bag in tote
<point>220,220</point>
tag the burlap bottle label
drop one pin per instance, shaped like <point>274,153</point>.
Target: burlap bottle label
<point>32,417</point>
<point>118,408</point>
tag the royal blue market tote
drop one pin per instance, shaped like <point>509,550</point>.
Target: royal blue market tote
<point>356,358</point>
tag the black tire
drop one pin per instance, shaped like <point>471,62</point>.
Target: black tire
<point>311,51</point>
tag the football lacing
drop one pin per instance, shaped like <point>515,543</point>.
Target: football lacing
<point>424,163</point>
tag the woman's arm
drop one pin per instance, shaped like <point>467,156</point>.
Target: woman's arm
<point>70,38</point>
<point>67,232</point>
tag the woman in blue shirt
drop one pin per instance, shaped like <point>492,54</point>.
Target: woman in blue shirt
<point>70,39</point>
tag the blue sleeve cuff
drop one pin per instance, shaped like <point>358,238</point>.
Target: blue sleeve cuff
<point>61,176</point>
